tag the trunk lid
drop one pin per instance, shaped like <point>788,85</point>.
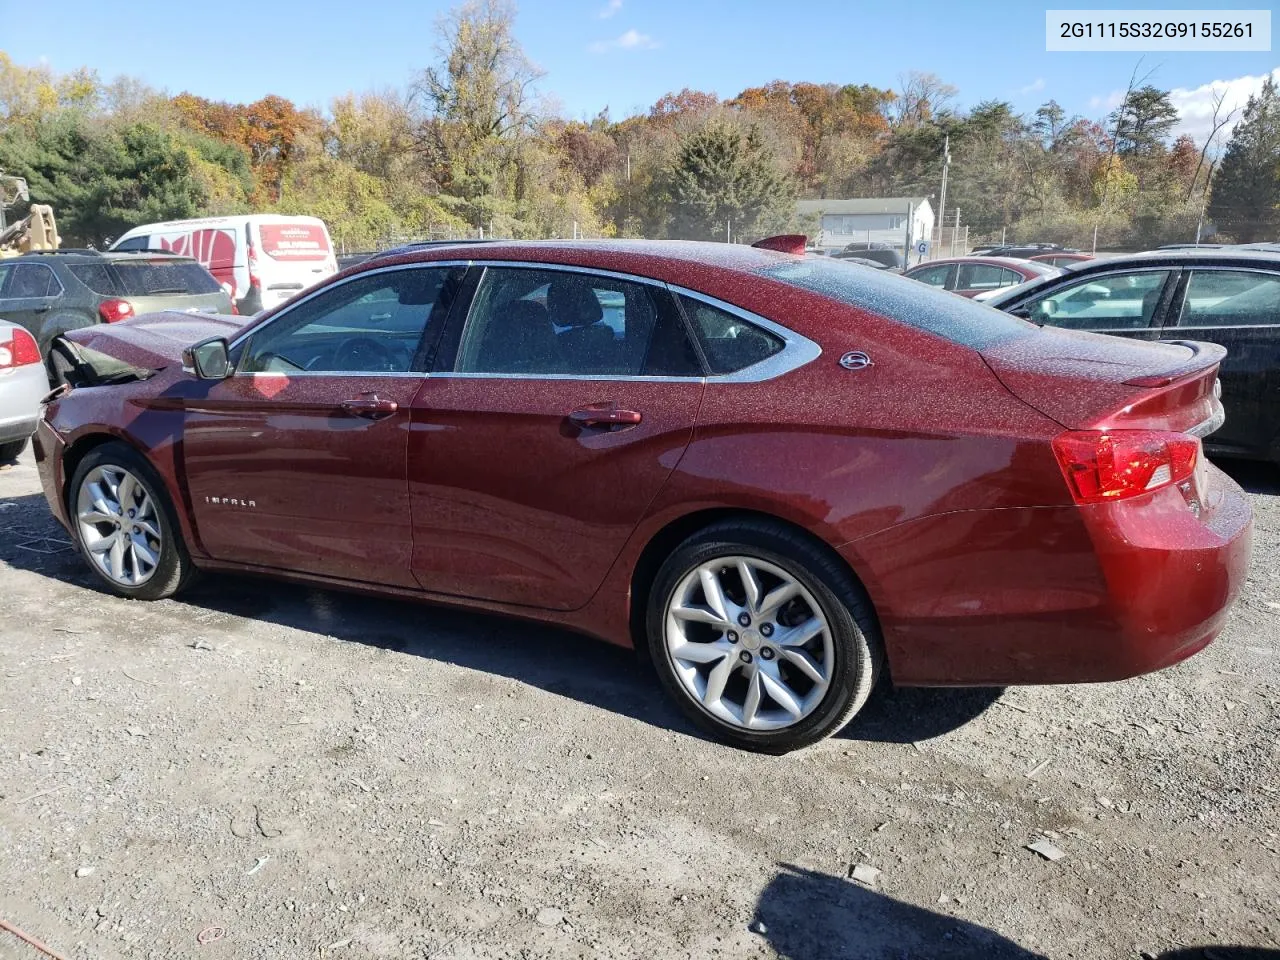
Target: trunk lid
<point>1093,381</point>
<point>155,340</point>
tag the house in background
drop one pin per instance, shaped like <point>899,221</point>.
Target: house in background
<point>881,219</point>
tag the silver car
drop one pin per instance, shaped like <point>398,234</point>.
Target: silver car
<point>23,382</point>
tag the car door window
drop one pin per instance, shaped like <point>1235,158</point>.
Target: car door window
<point>979,276</point>
<point>1010,278</point>
<point>933,276</point>
<point>729,342</point>
<point>33,281</point>
<point>134,243</point>
<point>372,324</point>
<point>1230,298</point>
<point>1121,301</point>
<point>544,322</point>
<point>6,270</point>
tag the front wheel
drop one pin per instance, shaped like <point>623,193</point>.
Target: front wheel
<point>125,524</point>
<point>762,636</point>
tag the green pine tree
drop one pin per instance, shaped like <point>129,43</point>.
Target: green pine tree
<point>1246,191</point>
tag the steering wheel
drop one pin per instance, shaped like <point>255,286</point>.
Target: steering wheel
<point>366,354</point>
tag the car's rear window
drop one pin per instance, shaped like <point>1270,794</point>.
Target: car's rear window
<point>155,278</point>
<point>96,277</point>
<point>898,298</point>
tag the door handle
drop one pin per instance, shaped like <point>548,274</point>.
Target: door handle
<point>370,406</point>
<point>44,309</point>
<point>604,416</point>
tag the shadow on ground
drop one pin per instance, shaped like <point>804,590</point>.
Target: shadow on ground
<point>815,916</point>
<point>552,659</point>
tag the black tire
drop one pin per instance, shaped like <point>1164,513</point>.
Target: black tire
<point>12,450</point>
<point>855,634</point>
<point>174,569</point>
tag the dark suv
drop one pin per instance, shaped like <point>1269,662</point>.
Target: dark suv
<point>55,291</point>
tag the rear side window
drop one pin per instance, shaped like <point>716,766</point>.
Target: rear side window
<point>980,276</point>
<point>926,308</point>
<point>730,343</point>
<point>153,278</point>
<point>97,277</point>
<point>933,276</point>
<point>133,243</point>
<point>1231,298</point>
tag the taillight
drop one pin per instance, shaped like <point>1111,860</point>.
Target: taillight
<point>113,310</point>
<point>19,351</point>
<point>254,280</point>
<point>1102,466</point>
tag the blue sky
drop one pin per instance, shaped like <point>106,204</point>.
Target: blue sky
<point>622,54</point>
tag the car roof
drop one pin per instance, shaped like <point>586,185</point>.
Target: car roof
<point>636,255</point>
<point>1242,256</point>
<point>1013,262</point>
<point>76,255</point>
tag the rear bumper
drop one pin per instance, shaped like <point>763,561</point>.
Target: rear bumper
<point>1057,594</point>
<point>21,390</point>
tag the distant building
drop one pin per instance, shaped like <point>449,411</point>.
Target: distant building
<point>878,220</point>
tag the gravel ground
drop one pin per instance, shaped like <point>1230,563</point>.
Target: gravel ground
<point>318,775</point>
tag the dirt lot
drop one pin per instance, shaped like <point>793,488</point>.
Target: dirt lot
<point>325,776</point>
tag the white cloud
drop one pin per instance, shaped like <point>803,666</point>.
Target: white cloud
<point>1195,105</point>
<point>612,7</point>
<point>1034,87</point>
<point>631,40</point>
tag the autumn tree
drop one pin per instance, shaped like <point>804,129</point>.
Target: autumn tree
<point>1245,201</point>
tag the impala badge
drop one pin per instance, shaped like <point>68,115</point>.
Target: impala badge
<point>231,501</point>
<point>855,360</point>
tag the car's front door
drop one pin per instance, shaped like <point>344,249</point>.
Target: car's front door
<point>1239,309</point>
<point>1129,303</point>
<point>297,461</point>
<point>562,402</point>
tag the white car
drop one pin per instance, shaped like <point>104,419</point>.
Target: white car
<point>23,382</point>
<point>261,260</point>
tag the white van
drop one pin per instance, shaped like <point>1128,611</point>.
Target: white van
<point>263,258</point>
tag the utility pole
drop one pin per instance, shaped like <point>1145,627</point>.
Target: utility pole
<point>728,231</point>
<point>942,197</point>
<point>954,231</point>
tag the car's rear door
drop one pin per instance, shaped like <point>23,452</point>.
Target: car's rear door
<point>297,461</point>
<point>1239,308</point>
<point>560,404</point>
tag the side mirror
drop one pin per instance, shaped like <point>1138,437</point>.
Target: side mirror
<point>208,359</point>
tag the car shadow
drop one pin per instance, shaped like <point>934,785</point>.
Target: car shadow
<point>807,915</point>
<point>553,659</point>
<point>1254,476</point>
<point>1222,953</point>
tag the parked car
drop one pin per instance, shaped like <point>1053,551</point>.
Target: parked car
<point>780,475</point>
<point>970,276</point>
<point>1229,296</point>
<point>22,385</point>
<point>882,253</point>
<point>53,291</point>
<point>264,259</point>
<point>1065,260</point>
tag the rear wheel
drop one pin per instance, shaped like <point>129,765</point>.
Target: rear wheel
<point>12,450</point>
<point>126,526</point>
<point>762,636</point>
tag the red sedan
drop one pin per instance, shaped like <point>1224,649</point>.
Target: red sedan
<point>780,476</point>
<point>970,276</point>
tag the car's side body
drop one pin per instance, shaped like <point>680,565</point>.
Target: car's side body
<point>1245,319</point>
<point>22,384</point>
<point>971,276</point>
<point>905,454</point>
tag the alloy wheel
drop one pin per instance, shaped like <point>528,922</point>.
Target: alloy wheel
<point>119,525</point>
<point>749,643</point>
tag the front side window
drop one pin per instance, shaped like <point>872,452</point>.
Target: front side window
<point>1231,298</point>
<point>1122,301</point>
<point>933,276</point>
<point>33,281</point>
<point>372,324</point>
<point>979,276</point>
<point>542,322</point>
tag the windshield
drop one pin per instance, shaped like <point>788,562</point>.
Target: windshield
<point>899,298</point>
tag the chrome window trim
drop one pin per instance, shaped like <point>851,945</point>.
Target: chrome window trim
<point>796,352</point>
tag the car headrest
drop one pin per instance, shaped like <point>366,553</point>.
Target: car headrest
<point>572,303</point>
